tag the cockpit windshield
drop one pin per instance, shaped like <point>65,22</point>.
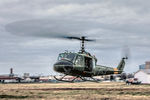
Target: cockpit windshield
<point>66,56</point>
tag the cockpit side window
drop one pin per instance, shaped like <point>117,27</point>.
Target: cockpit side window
<point>61,56</point>
<point>79,60</point>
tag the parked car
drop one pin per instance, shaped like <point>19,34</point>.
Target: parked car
<point>133,81</point>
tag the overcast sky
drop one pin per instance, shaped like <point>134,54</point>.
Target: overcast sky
<point>28,29</point>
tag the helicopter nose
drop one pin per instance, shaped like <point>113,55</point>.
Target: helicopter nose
<point>63,66</point>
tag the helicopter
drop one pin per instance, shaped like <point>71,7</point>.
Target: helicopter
<point>82,64</point>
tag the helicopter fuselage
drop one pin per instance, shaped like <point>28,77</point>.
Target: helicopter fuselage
<point>82,64</point>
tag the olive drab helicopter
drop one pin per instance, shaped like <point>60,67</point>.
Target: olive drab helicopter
<point>82,64</point>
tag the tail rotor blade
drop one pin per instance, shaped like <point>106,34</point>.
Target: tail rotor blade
<point>126,52</point>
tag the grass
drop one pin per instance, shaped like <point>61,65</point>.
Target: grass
<point>13,97</point>
<point>107,91</point>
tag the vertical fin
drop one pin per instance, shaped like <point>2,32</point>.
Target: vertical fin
<point>121,65</point>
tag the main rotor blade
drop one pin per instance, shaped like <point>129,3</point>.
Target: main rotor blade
<point>81,38</point>
<point>50,28</point>
<point>77,38</point>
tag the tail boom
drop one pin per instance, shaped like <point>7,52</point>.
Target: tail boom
<point>121,66</point>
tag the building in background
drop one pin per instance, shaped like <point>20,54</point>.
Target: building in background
<point>143,76</point>
<point>147,65</point>
<point>26,75</point>
<point>11,77</point>
<point>142,66</point>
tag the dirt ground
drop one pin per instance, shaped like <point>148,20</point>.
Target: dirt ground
<point>74,91</point>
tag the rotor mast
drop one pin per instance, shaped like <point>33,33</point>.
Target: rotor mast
<point>82,41</point>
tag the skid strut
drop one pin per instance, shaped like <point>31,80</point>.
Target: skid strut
<point>82,78</point>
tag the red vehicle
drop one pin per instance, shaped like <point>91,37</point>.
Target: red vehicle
<point>133,81</point>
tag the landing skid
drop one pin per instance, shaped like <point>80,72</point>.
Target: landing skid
<point>92,79</point>
<point>73,80</point>
<point>62,79</point>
